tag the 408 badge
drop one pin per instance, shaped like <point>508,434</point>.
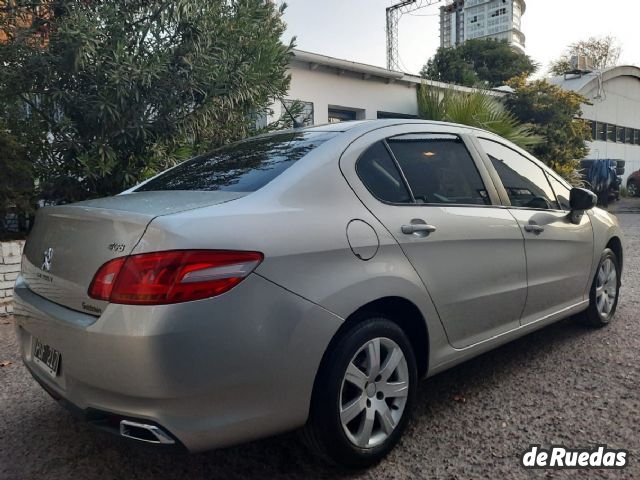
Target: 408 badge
<point>558,457</point>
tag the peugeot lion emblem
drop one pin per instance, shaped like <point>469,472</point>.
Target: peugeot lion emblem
<point>48,257</point>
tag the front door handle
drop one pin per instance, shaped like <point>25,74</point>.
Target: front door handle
<point>417,228</point>
<point>533,228</point>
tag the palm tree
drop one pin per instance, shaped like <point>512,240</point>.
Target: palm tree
<point>476,109</point>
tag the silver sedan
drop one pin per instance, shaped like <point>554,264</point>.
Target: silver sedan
<point>306,278</point>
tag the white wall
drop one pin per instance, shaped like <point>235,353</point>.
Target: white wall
<point>620,105</point>
<point>10,256</point>
<point>349,90</point>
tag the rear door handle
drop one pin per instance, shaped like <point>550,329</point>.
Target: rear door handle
<point>417,228</point>
<point>533,228</point>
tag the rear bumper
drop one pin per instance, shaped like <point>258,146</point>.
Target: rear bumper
<point>212,373</point>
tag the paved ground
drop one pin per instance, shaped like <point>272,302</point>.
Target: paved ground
<point>562,385</point>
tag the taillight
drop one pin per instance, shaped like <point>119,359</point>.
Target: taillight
<point>171,277</point>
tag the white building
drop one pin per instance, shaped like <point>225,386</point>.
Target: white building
<point>334,90</point>
<point>462,20</point>
<point>613,110</point>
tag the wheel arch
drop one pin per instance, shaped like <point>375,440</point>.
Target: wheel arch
<point>615,244</point>
<point>401,311</point>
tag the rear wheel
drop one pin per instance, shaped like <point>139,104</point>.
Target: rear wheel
<point>603,297</point>
<point>632,189</point>
<point>363,394</point>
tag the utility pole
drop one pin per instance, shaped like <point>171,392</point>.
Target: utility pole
<point>394,12</point>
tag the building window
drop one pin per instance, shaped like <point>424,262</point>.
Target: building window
<point>628,135</point>
<point>382,114</point>
<point>499,11</point>
<point>337,115</point>
<point>606,132</point>
<point>302,111</point>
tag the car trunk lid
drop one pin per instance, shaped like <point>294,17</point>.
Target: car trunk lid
<point>69,243</point>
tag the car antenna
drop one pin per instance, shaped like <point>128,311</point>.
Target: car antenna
<point>296,124</point>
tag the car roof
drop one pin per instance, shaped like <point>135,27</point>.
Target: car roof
<point>378,123</point>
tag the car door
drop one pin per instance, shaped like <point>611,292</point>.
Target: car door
<point>559,252</point>
<point>439,203</point>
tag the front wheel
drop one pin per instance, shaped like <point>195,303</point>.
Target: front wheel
<point>363,394</point>
<point>603,296</point>
<point>632,189</point>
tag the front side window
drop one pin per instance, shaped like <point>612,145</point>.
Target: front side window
<point>525,182</point>
<point>240,167</point>
<point>562,192</point>
<point>439,169</point>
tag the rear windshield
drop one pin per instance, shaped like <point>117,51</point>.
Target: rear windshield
<point>240,167</point>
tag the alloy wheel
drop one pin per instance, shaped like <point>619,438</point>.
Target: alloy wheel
<point>632,189</point>
<point>374,392</point>
<point>606,288</point>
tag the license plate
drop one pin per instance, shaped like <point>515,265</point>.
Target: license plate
<point>46,357</point>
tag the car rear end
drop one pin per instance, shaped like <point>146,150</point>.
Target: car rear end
<point>133,320</point>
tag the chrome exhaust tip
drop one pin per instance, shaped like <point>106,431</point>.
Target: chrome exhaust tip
<point>145,433</point>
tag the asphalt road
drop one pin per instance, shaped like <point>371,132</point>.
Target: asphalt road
<point>563,385</point>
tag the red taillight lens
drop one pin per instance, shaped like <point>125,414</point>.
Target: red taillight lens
<point>171,277</point>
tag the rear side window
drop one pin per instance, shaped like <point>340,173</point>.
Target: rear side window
<point>240,167</point>
<point>380,175</point>
<point>525,182</point>
<point>439,169</point>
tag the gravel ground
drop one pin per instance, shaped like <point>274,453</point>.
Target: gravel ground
<point>562,385</point>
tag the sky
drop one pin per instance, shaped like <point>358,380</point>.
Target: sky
<point>355,29</point>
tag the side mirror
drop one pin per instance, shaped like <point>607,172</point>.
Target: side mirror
<point>582,199</point>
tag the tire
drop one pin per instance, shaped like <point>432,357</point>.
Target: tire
<point>619,170</point>
<point>602,300</point>
<point>325,432</point>
<point>632,189</point>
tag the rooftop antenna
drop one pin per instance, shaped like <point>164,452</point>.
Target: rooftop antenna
<point>394,12</point>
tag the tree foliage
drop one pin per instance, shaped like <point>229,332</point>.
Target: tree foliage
<point>483,62</point>
<point>112,91</point>
<point>16,176</point>
<point>603,51</point>
<point>554,115</point>
<point>476,109</point>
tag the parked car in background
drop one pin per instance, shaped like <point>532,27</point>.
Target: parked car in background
<point>633,184</point>
<point>306,278</point>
